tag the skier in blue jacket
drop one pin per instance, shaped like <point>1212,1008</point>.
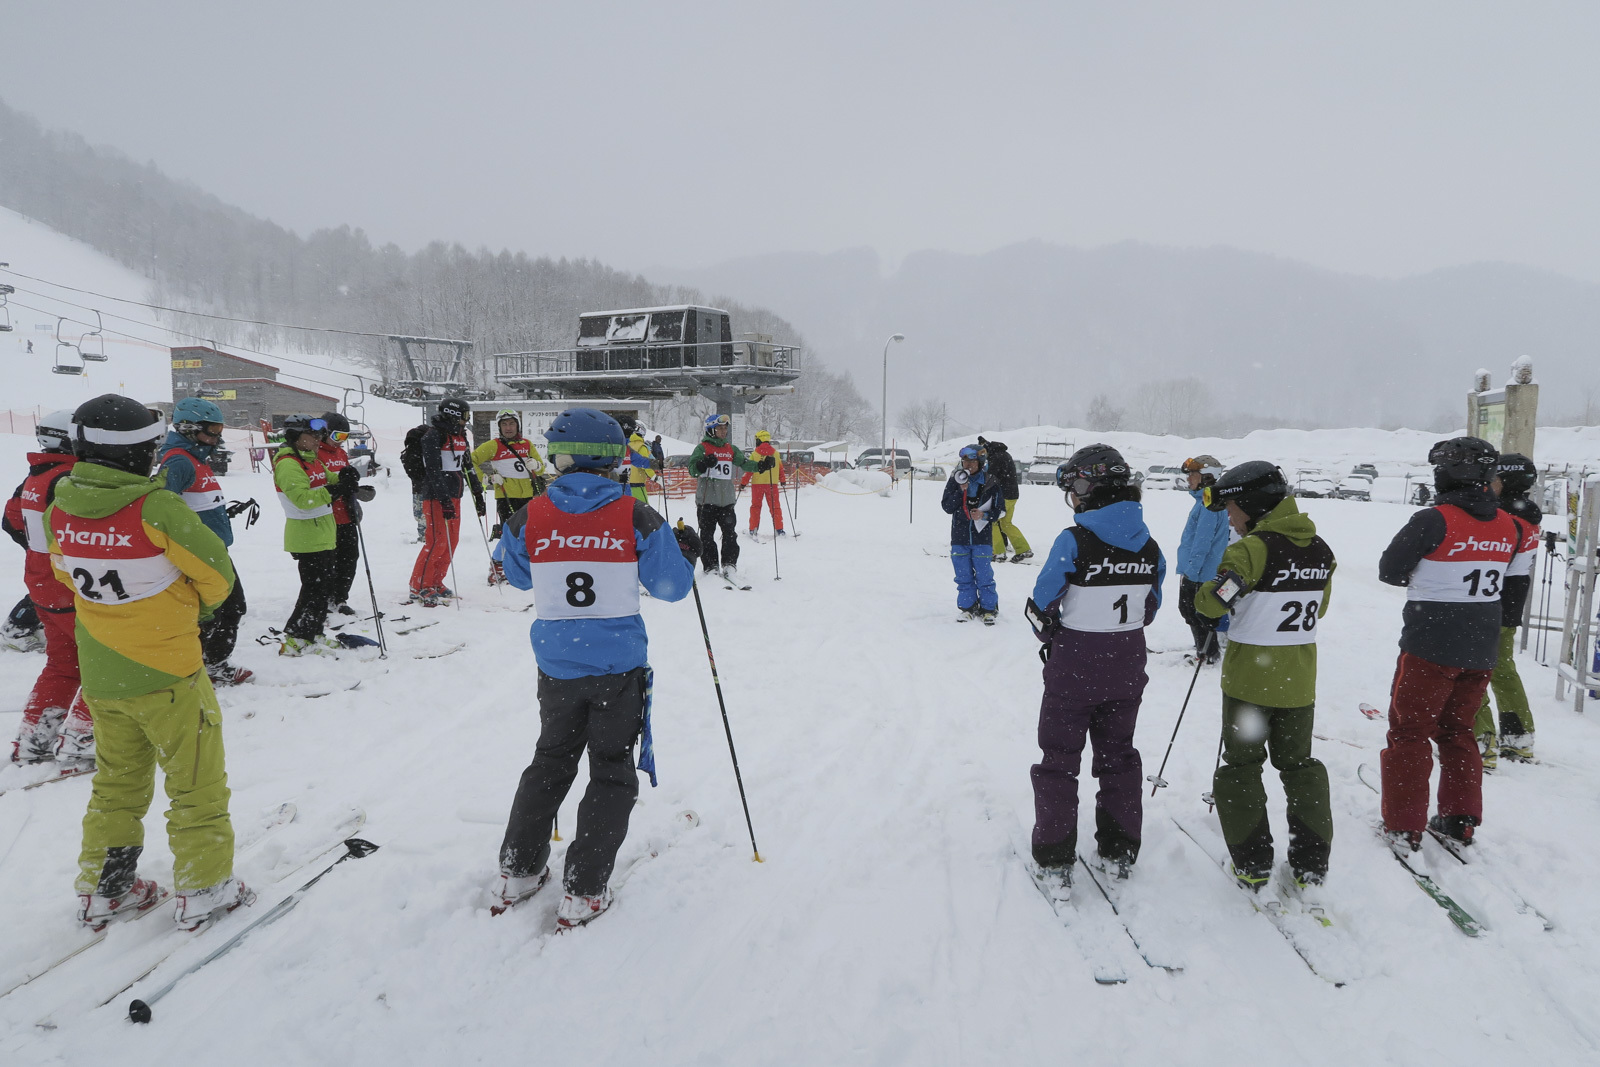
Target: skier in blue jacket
<point>585,548</point>
<point>973,500</point>
<point>1205,537</point>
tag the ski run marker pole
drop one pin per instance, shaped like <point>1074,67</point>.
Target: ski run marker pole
<point>1158,782</point>
<point>377,616</point>
<point>712,659</point>
<point>355,849</point>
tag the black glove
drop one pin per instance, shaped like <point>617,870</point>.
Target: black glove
<point>349,481</point>
<point>688,542</point>
<point>477,502</point>
<point>766,464</point>
<point>697,467</point>
<point>494,532</point>
<point>366,493</point>
<point>448,508</point>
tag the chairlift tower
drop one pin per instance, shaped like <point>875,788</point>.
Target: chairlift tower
<point>658,353</point>
<point>425,377</point>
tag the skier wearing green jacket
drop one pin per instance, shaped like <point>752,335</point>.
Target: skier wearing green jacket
<point>712,462</point>
<point>1275,581</point>
<point>310,531</point>
<point>144,570</point>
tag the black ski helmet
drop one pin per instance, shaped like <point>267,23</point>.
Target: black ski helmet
<point>1255,485</point>
<point>295,425</point>
<point>629,424</point>
<point>1097,473</point>
<point>1462,461</point>
<point>115,431</point>
<point>336,423</point>
<point>1517,474</point>
<point>454,409</point>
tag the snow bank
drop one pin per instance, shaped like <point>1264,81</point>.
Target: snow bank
<point>858,482</point>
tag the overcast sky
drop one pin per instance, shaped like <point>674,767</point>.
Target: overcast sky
<point>1382,138</point>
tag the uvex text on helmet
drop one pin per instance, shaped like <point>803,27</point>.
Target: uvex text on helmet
<point>1517,473</point>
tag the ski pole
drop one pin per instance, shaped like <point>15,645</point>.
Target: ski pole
<point>490,553</point>
<point>1208,796</point>
<point>1158,782</point>
<point>717,682</point>
<point>555,830</point>
<point>377,616</point>
<point>355,849</point>
<point>454,544</point>
<point>775,575</point>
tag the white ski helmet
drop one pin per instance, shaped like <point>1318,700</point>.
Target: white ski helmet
<point>54,432</point>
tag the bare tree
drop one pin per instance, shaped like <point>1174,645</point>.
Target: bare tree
<point>923,419</point>
<point>1102,414</point>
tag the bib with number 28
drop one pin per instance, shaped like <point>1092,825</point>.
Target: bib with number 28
<point>583,566</point>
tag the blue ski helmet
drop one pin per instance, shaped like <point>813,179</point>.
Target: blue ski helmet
<point>970,452</point>
<point>584,438</point>
<point>715,421</point>
<point>194,409</point>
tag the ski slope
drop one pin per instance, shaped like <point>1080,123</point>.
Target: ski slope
<point>886,749</point>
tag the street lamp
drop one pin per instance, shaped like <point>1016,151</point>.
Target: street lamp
<point>883,427</point>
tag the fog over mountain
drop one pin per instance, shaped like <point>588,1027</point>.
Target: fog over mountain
<point>1031,332</point>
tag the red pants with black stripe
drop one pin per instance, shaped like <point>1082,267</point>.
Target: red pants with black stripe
<point>57,685</point>
<point>439,538</point>
<point>1429,705</point>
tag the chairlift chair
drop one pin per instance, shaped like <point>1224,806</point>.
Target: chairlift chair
<point>5,310</point>
<point>92,346</point>
<point>66,354</point>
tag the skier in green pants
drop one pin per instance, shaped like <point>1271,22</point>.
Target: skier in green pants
<point>1515,476</point>
<point>1275,580</point>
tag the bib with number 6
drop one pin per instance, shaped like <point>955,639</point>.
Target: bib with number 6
<point>583,566</point>
<point>1283,607</point>
<point>112,560</point>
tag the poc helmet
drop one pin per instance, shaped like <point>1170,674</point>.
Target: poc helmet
<point>54,432</point>
<point>1097,474</point>
<point>584,439</point>
<point>506,413</point>
<point>453,410</point>
<point>1256,486</point>
<point>1462,462</point>
<point>335,423</point>
<point>1517,474</point>
<point>115,431</point>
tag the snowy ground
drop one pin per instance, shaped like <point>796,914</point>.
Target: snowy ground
<point>886,751</point>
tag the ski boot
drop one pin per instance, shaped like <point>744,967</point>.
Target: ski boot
<point>510,890</point>
<point>1456,827</point>
<point>1056,882</point>
<point>999,557</point>
<point>344,609</point>
<point>781,532</point>
<point>497,573</point>
<point>1518,747</point>
<point>754,535</point>
<point>98,912</point>
<point>1251,878</point>
<point>37,743</point>
<point>966,614</point>
<point>1118,867</point>
<point>227,674</point>
<point>75,750</point>
<point>1490,751</point>
<point>1403,842</point>
<point>307,646</point>
<point>575,910</point>
<point>988,617</point>
<point>1020,556</point>
<point>199,906</point>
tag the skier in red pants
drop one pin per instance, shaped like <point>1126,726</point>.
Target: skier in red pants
<point>55,720</point>
<point>764,486</point>
<point>1452,558</point>
<point>444,448</point>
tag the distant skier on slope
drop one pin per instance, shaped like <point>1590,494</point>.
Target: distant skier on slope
<point>1003,469</point>
<point>145,569</point>
<point>1453,559</point>
<point>1097,592</point>
<point>584,548</point>
<point>1205,536</point>
<point>509,462</point>
<point>764,487</point>
<point>56,723</point>
<point>1514,476</point>
<point>196,432</point>
<point>713,461</point>
<point>1276,580</point>
<point>972,499</point>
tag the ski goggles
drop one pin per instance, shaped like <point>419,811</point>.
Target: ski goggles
<point>340,436</point>
<point>1212,499</point>
<point>318,424</point>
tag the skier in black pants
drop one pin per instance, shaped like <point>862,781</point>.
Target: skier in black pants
<point>584,548</point>
<point>713,461</point>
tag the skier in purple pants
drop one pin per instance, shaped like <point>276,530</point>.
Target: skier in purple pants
<point>1099,589</point>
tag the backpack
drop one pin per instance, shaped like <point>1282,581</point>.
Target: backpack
<point>411,453</point>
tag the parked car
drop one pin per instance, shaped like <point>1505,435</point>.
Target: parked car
<point>874,458</point>
<point>930,470</point>
<point>1163,477</point>
<point>1037,472</point>
<point>1357,485</point>
<point>1314,484</point>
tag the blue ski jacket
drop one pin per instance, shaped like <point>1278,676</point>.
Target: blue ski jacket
<point>978,501</point>
<point>579,648</point>
<point>180,474</point>
<point>1205,538</point>
<point>1121,525</point>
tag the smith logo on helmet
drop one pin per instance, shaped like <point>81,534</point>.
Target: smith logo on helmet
<point>604,544</point>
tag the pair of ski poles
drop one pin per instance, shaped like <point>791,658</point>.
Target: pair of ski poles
<point>1156,780</point>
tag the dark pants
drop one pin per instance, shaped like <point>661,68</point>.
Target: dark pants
<point>1093,684</point>
<point>1432,704</point>
<point>347,554</point>
<point>1200,627</point>
<point>317,575</point>
<point>711,517</point>
<point>218,636</point>
<point>504,508</point>
<point>603,713</point>
<point>1249,733</point>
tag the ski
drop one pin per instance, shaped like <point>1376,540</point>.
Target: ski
<point>58,776</point>
<point>418,626</point>
<point>275,817</point>
<point>442,653</point>
<point>1369,711</point>
<point>1090,940</point>
<point>1100,884</point>
<point>1458,915</point>
<point>351,825</point>
<point>1467,857</point>
<point>1272,909</point>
